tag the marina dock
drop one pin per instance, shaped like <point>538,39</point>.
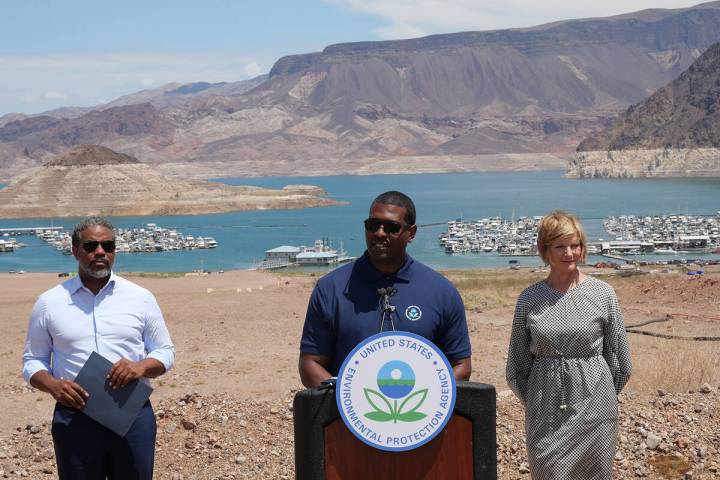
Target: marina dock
<point>291,256</point>
<point>18,231</point>
<point>149,239</point>
<point>495,234</point>
<point>631,235</point>
<point>616,257</point>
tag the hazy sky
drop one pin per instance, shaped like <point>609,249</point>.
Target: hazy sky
<point>57,53</point>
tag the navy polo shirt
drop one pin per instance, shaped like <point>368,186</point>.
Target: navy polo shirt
<point>345,309</point>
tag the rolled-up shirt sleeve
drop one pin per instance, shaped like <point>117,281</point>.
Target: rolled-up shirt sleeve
<point>38,343</point>
<point>156,336</point>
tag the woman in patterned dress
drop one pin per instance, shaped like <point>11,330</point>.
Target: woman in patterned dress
<point>568,359</point>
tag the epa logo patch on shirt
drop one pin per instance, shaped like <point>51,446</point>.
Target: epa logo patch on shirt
<point>413,313</point>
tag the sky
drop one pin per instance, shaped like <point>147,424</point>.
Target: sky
<point>58,53</point>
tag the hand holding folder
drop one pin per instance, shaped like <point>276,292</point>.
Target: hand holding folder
<point>116,409</point>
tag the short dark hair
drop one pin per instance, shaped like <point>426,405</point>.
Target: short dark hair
<point>87,223</point>
<point>393,197</point>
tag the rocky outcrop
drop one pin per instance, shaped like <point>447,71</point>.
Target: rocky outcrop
<point>73,185</point>
<point>675,132</point>
<point>665,162</point>
<point>89,155</point>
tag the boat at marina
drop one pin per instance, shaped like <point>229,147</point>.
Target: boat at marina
<point>493,234</point>
<point>289,256</point>
<point>668,234</point>
<point>149,239</point>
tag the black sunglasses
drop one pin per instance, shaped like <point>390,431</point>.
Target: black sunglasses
<point>91,245</point>
<point>389,226</point>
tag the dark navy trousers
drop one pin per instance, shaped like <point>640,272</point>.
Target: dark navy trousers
<point>85,450</point>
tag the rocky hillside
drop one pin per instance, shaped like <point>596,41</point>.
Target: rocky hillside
<point>675,132</point>
<point>389,106</point>
<point>94,180</point>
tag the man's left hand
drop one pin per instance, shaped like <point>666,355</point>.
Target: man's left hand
<point>123,372</point>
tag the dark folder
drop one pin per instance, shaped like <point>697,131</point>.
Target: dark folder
<point>114,409</point>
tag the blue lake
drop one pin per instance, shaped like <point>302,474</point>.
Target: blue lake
<point>244,236</point>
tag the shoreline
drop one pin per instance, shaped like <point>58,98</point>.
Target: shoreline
<point>5,181</point>
<point>298,272</point>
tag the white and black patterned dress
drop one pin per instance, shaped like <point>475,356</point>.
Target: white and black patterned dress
<point>568,360</point>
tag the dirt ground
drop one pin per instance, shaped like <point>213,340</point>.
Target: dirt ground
<point>236,336</point>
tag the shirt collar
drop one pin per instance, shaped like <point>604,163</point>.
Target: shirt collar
<point>366,268</point>
<point>76,284</point>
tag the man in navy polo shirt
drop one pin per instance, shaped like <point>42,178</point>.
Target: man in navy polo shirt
<point>346,306</point>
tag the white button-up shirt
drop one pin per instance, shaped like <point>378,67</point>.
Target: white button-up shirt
<point>68,322</point>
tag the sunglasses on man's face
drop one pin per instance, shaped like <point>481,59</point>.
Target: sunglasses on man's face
<point>91,245</point>
<point>389,226</point>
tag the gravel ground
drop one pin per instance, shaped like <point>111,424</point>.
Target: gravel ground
<point>215,437</point>
<point>238,425</point>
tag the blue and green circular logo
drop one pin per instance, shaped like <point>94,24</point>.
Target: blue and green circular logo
<point>396,379</point>
<point>413,313</point>
<point>395,391</point>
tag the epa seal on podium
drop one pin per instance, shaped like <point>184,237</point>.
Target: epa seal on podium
<point>395,391</point>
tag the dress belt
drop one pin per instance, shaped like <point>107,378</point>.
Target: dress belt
<point>562,357</point>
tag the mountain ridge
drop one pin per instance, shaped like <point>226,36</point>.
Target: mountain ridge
<point>364,106</point>
<point>675,132</point>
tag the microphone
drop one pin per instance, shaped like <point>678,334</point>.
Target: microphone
<point>385,294</point>
<point>386,309</point>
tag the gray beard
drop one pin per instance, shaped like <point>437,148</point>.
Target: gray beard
<point>97,274</point>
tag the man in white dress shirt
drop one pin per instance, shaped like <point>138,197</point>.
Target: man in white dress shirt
<point>101,312</point>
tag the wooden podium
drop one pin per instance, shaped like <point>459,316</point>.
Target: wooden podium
<point>465,449</point>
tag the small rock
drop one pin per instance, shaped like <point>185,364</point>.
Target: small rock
<point>682,442</point>
<point>170,427</point>
<point>240,459</point>
<point>524,468</point>
<point>652,441</point>
<point>177,476</point>
<point>661,392</point>
<point>706,388</point>
<point>34,429</point>
<point>699,407</point>
<point>26,451</point>
<point>189,424</point>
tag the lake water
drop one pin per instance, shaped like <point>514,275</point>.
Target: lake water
<point>244,236</point>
